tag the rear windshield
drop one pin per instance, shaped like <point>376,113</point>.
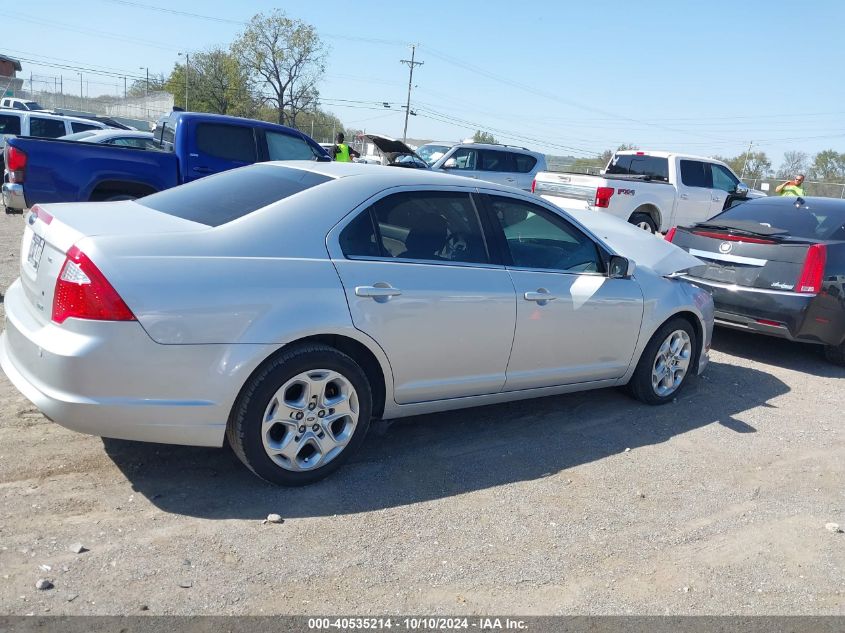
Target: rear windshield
<point>821,221</point>
<point>219,199</point>
<point>654,167</point>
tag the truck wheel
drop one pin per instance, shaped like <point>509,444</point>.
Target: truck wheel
<point>643,221</point>
<point>835,354</point>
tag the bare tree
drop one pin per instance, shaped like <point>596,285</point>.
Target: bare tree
<point>288,57</point>
<point>794,162</point>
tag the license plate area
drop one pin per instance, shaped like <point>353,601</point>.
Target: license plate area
<point>36,250</point>
<point>726,274</point>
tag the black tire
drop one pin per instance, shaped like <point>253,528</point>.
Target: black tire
<point>640,386</point>
<point>243,431</point>
<point>835,354</point>
<point>643,218</point>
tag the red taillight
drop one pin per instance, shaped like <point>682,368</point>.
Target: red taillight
<point>812,274</point>
<point>603,196</point>
<point>670,234</point>
<point>533,185</point>
<point>15,164</point>
<point>727,237</point>
<point>82,292</point>
<point>770,322</point>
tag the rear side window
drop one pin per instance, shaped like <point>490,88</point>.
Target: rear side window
<point>287,147</point>
<point>83,127</point>
<point>694,173</point>
<point>654,167</point>
<point>229,142</point>
<point>233,194</point>
<point>10,124</point>
<point>492,160</point>
<point>523,163</point>
<point>46,128</point>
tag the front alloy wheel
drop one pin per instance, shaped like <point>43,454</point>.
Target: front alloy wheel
<point>671,363</point>
<point>665,364</point>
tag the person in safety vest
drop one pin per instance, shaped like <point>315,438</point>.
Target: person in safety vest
<point>341,152</point>
<point>792,187</point>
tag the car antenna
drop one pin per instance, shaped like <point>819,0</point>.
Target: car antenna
<point>799,202</point>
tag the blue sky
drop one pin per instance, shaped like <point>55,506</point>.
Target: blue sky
<point>561,77</point>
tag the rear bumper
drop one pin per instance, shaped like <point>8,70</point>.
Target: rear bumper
<point>110,379</point>
<point>787,315</point>
<point>13,197</point>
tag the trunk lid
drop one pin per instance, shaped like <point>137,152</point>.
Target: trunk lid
<point>51,230</point>
<point>772,262</point>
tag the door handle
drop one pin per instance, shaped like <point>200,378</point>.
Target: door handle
<point>715,198</point>
<point>541,296</point>
<point>684,196</point>
<point>377,292</point>
<point>203,170</point>
<point>511,179</point>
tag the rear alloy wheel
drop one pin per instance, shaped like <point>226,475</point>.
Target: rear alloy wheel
<point>665,364</point>
<point>301,416</point>
<point>643,221</point>
<point>835,353</point>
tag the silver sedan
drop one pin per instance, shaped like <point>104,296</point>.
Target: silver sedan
<point>282,306</point>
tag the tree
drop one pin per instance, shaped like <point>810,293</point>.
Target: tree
<point>793,163</point>
<point>288,57</point>
<point>140,87</point>
<point>217,82</point>
<point>828,165</point>
<point>483,137</point>
<point>751,165</point>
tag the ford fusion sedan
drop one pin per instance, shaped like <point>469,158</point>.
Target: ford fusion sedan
<point>282,306</point>
<point>775,266</point>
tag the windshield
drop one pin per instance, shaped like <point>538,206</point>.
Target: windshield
<point>814,220</point>
<point>432,152</point>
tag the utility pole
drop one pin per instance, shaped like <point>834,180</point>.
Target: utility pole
<point>745,163</point>
<point>124,87</point>
<point>411,63</point>
<point>80,90</point>
<point>187,70</point>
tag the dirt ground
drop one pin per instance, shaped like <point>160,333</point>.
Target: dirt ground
<point>588,503</point>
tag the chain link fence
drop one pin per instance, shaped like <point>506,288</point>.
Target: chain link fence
<point>811,187</point>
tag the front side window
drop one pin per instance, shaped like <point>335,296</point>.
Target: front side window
<point>536,238</point>
<point>229,142</point>
<point>434,226</point>
<point>465,158</point>
<point>46,128</point>
<point>694,173</point>
<point>287,147</point>
<point>723,179</point>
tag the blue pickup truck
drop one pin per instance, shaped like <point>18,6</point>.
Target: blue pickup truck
<point>192,145</point>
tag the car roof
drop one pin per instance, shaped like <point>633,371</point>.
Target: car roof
<point>498,146</point>
<point>51,115</point>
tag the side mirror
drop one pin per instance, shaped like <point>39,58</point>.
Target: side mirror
<point>450,164</point>
<point>620,267</point>
<point>741,189</point>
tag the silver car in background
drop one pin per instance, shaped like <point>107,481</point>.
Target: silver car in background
<point>502,164</point>
<point>281,306</point>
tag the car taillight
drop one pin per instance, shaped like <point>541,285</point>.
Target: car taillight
<point>533,185</point>
<point>812,273</point>
<point>82,292</point>
<point>603,196</point>
<point>670,234</point>
<point>15,164</point>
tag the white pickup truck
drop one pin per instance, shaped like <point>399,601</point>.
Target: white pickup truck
<point>654,190</point>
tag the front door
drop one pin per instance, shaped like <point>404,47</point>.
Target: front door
<point>418,280</point>
<point>573,323</point>
<point>695,197</point>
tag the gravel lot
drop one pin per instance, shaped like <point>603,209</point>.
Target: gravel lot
<point>588,503</point>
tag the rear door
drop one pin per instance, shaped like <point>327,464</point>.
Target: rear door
<point>497,166</point>
<point>420,281</point>
<point>216,147</point>
<point>573,323</point>
<point>44,127</point>
<point>695,198</point>
<point>523,170</point>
